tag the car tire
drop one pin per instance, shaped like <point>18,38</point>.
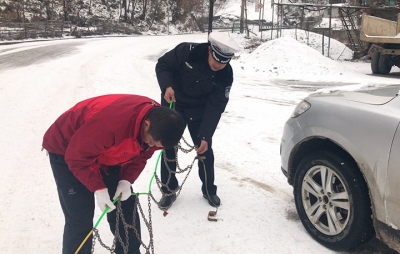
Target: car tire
<point>338,214</point>
<point>375,62</point>
<point>385,64</point>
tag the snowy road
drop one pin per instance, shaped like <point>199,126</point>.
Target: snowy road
<point>40,80</point>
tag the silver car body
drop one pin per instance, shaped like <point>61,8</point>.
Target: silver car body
<point>366,126</point>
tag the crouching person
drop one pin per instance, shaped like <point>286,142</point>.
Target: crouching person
<point>98,148</point>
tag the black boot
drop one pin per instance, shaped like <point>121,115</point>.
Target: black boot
<point>213,200</point>
<point>166,201</point>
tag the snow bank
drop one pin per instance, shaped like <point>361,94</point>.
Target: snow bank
<point>286,57</point>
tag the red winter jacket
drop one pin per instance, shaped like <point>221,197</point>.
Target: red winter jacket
<point>102,131</point>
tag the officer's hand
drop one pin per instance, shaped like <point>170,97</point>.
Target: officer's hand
<point>103,200</point>
<point>123,189</point>
<point>169,95</point>
<point>202,148</point>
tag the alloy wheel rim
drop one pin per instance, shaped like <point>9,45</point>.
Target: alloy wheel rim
<point>326,200</point>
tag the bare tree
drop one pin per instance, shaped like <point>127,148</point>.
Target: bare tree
<point>133,11</point>
<point>66,9</point>
<point>143,15</point>
<point>90,7</point>
<point>125,7</point>
<point>20,5</point>
<point>156,13</point>
<point>49,9</point>
<point>194,8</point>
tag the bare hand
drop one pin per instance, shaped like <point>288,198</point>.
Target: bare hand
<point>169,95</point>
<point>203,147</point>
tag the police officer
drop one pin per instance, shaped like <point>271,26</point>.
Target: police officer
<point>197,77</point>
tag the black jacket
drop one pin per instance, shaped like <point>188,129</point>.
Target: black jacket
<point>201,94</point>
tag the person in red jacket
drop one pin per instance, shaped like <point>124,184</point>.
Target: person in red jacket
<point>98,148</point>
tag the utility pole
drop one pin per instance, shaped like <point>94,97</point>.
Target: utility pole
<point>272,20</point>
<point>330,27</point>
<point>242,16</point>
<point>261,18</point>
<point>210,16</point>
<point>168,19</point>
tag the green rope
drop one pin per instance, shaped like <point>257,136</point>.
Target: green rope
<point>105,211</point>
<point>155,171</point>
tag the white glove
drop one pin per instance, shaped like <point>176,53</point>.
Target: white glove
<point>103,200</point>
<point>124,188</point>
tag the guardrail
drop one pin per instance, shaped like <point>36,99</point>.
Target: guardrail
<point>33,30</point>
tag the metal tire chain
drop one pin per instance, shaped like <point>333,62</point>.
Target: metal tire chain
<point>96,235</point>
<point>117,234</point>
<point>133,226</point>
<point>177,191</point>
<point>178,171</point>
<point>126,226</point>
<point>148,223</point>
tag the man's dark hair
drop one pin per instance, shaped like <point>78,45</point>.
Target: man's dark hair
<point>166,126</point>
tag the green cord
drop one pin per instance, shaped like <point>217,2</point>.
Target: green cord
<point>105,211</point>
<point>155,171</point>
<point>158,160</point>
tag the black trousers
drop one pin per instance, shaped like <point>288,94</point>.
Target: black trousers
<point>206,170</point>
<point>78,205</point>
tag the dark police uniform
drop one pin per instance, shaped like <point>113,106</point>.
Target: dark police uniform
<point>201,97</point>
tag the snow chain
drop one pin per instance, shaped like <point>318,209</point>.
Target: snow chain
<point>148,222</point>
<point>117,235</point>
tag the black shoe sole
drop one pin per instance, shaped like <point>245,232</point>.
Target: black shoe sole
<point>171,198</point>
<point>210,202</point>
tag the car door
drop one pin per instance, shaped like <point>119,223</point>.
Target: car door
<point>393,183</point>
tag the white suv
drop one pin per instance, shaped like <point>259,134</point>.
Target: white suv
<point>341,152</point>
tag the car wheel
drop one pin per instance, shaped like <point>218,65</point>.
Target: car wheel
<point>385,64</point>
<point>332,201</point>
<point>375,62</point>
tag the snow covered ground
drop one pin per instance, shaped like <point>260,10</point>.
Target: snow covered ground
<point>40,80</point>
